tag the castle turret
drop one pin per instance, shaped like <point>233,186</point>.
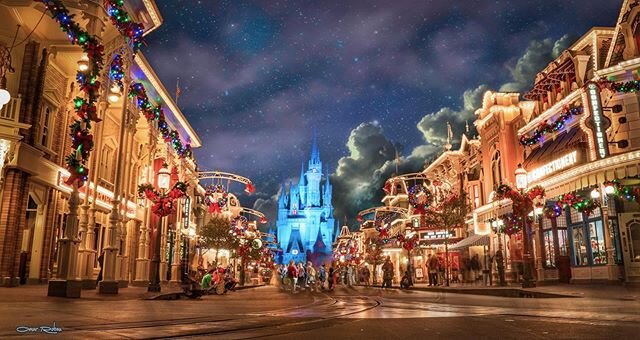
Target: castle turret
<point>314,176</point>
<point>302,186</point>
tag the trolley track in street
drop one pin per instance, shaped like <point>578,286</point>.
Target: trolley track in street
<point>310,316</point>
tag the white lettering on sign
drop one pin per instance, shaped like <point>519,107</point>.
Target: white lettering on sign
<point>432,235</point>
<point>598,127</point>
<point>553,166</point>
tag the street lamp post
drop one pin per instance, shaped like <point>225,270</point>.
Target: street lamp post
<point>521,185</point>
<point>164,179</point>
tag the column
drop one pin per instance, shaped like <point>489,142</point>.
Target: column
<point>612,268</point>
<point>142,262</point>
<point>109,284</point>
<point>163,249</point>
<point>539,236</point>
<point>88,216</point>
<point>67,283</point>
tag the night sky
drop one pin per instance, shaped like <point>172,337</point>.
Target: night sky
<point>371,77</point>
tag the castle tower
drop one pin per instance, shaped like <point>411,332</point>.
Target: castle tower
<point>305,215</point>
<point>314,175</point>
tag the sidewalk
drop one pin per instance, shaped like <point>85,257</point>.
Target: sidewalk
<point>609,292</point>
<point>35,293</point>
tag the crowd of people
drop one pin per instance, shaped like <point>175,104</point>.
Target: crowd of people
<point>300,276</point>
<point>218,280</point>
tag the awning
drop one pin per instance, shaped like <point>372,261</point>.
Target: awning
<point>473,240</point>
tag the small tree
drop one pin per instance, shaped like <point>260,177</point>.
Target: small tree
<point>374,255</point>
<point>215,235</point>
<point>448,215</point>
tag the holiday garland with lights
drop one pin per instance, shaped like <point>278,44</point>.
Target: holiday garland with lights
<point>133,31</point>
<point>623,87</point>
<point>521,204</point>
<point>80,130</point>
<point>545,128</point>
<point>154,113</point>
<point>116,72</point>
<point>163,205</point>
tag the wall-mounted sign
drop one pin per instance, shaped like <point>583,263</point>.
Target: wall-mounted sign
<point>431,235</point>
<point>553,166</point>
<point>598,123</point>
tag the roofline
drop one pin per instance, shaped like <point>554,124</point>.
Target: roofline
<point>148,71</point>
<point>154,13</point>
<point>583,39</point>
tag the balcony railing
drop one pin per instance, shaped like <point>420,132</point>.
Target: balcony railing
<point>11,111</point>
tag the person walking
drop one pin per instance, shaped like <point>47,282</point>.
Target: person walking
<point>387,269</point>
<point>366,274</point>
<point>322,275</point>
<point>349,276</point>
<point>331,278</point>
<point>292,275</point>
<point>475,268</point>
<point>302,276</point>
<point>311,276</point>
<point>433,270</point>
<point>101,262</point>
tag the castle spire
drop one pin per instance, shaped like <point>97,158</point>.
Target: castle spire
<point>301,180</point>
<point>315,154</point>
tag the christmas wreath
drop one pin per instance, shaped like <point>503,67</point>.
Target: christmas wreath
<point>420,198</point>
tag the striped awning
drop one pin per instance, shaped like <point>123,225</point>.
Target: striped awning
<point>473,240</point>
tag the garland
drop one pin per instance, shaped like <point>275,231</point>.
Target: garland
<point>382,223</point>
<point>545,128</point>
<point>420,198</point>
<point>155,114</point>
<point>522,204</point>
<point>131,30</point>
<point>80,130</point>
<point>163,205</point>
<point>624,87</point>
<point>216,205</point>
<point>116,72</point>
<point>626,192</point>
<point>408,243</point>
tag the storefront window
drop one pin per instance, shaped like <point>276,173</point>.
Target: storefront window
<point>563,243</point>
<point>596,237</point>
<point>579,247</point>
<point>562,240</point>
<point>614,234</point>
<point>634,235</point>
<point>614,231</point>
<point>549,254</point>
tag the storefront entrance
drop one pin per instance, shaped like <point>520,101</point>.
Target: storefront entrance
<point>631,246</point>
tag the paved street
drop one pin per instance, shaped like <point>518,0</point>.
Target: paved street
<point>354,313</point>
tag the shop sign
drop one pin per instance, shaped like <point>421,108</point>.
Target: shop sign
<point>553,166</point>
<point>435,235</point>
<point>598,122</point>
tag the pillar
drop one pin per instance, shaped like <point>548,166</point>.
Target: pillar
<point>109,284</point>
<point>67,282</point>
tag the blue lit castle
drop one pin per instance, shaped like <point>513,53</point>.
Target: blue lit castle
<point>305,215</point>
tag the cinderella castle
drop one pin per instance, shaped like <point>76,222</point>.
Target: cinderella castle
<point>305,215</point>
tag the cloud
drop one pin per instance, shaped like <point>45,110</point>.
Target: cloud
<point>360,176</point>
<point>536,57</point>
<point>433,126</point>
<point>354,185</point>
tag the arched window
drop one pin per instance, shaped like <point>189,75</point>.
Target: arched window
<point>496,165</point>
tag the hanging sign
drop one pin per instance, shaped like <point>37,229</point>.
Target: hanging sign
<point>598,123</point>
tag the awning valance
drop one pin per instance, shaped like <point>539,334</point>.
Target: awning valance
<point>473,240</point>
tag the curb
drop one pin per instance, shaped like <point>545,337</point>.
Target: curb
<point>176,295</point>
<point>499,292</point>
